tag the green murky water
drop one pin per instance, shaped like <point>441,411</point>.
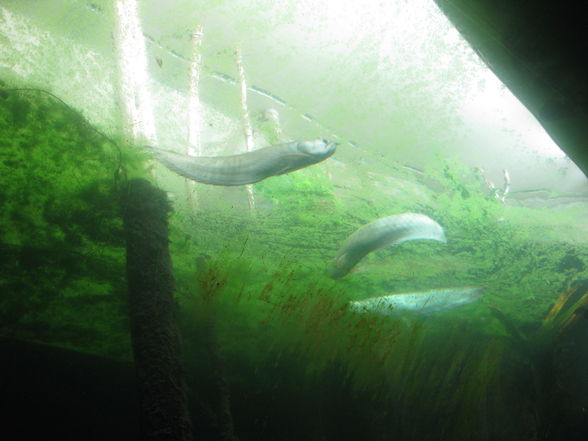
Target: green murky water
<point>300,363</point>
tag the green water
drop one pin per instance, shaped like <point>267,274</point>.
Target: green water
<point>300,365</point>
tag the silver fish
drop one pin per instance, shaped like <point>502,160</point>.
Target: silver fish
<point>381,233</point>
<point>425,302</point>
<point>247,168</point>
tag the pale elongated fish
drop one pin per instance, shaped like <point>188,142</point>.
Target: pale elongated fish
<point>381,233</point>
<point>247,168</point>
<point>425,302</point>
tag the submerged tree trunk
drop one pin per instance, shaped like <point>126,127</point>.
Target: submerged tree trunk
<point>152,308</point>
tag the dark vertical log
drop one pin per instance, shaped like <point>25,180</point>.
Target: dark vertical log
<point>152,308</point>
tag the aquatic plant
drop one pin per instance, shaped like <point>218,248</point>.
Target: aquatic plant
<point>540,371</point>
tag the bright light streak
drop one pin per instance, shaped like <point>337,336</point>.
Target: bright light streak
<point>273,116</point>
<point>244,109</point>
<point>245,116</point>
<point>194,104</point>
<point>133,72</point>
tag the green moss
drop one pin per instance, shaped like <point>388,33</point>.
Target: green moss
<point>62,243</point>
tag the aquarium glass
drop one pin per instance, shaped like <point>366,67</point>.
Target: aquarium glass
<point>423,126</point>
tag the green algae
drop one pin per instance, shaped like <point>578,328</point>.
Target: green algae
<point>262,275</point>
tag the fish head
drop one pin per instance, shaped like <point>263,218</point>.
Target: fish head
<point>319,148</point>
<point>340,266</point>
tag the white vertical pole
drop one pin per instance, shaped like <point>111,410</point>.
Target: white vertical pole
<point>134,79</point>
<point>194,105</point>
<point>272,116</point>
<point>245,117</point>
<point>194,110</point>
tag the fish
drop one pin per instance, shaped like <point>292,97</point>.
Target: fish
<point>383,232</point>
<point>425,302</point>
<point>247,168</point>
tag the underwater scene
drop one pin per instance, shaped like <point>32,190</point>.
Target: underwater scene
<point>255,220</point>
